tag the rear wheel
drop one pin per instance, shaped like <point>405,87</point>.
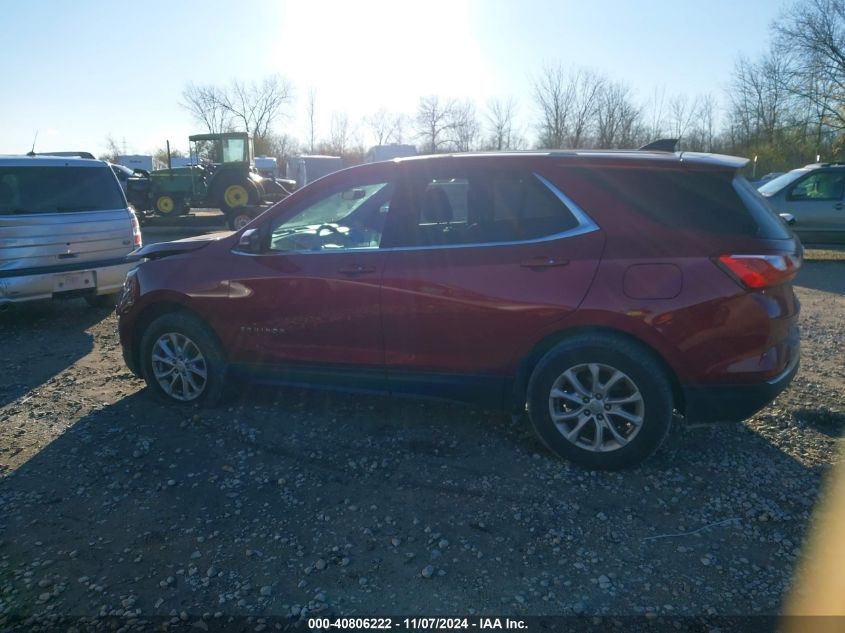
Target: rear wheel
<point>600,401</point>
<point>166,205</point>
<point>236,194</point>
<point>182,361</point>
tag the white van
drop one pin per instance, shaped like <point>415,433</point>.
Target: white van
<point>65,230</point>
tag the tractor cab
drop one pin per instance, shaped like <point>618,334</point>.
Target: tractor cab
<point>230,148</point>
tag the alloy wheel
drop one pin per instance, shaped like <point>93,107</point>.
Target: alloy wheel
<point>596,407</point>
<point>179,367</point>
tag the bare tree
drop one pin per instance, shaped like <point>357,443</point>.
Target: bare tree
<point>682,112</point>
<point>282,146</point>
<point>812,32</point>
<point>465,127</point>
<point>501,116</point>
<point>250,107</point>
<point>385,127</point>
<point>567,103</point>
<point>759,97</point>
<point>255,106</point>
<point>112,150</point>
<point>434,123</point>
<point>205,105</point>
<point>586,87</point>
<point>340,133</point>
<point>616,116</point>
<point>656,108</point>
<point>703,129</point>
<point>553,96</point>
<point>311,114</point>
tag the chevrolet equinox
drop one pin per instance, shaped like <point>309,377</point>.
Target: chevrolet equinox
<point>604,293</point>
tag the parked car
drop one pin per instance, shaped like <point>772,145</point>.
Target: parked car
<point>65,230</point>
<point>601,292</point>
<point>770,176</point>
<point>813,196</point>
<point>136,185</point>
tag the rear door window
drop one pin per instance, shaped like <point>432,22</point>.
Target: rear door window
<point>715,202</point>
<point>37,189</point>
<point>476,207</point>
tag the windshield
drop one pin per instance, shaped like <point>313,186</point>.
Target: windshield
<point>776,184</point>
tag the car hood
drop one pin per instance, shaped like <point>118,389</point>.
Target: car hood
<point>164,249</point>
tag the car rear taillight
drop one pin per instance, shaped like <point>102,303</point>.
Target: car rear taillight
<point>760,271</point>
<point>136,229</point>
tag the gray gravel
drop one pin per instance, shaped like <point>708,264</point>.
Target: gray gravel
<point>291,503</point>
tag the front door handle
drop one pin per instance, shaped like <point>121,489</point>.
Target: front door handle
<point>543,262</point>
<point>838,206</point>
<point>356,269</point>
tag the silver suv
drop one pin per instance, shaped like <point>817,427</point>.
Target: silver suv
<point>65,230</point>
<point>813,195</point>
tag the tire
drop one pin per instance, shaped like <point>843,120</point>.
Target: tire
<point>196,353</point>
<point>166,205</point>
<point>635,420</point>
<point>236,194</point>
<point>103,301</point>
<point>239,218</point>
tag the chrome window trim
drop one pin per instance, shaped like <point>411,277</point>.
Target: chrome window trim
<point>585,225</point>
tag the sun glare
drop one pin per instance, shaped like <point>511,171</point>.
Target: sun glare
<point>381,54</point>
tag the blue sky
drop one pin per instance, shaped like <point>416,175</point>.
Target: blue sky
<point>79,71</point>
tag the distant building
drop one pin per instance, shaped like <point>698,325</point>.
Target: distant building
<point>267,166</point>
<point>307,168</point>
<point>180,161</point>
<point>389,152</point>
<point>139,161</point>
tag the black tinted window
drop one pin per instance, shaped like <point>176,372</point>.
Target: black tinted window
<point>692,200</point>
<point>58,189</point>
<point>474,208</point>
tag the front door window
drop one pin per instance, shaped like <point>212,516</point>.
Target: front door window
<point>346,218</point>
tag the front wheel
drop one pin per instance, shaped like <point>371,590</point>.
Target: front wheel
<point>602,402</point>
<point>182,361</point>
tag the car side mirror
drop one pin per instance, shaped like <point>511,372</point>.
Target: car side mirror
<point>250,241</point>
<point>787,218</point>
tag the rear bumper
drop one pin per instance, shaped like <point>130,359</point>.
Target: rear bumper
<point>734,403</point>
<point>31,286</point>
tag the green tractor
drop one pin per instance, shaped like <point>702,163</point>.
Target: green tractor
<point>221,175</point>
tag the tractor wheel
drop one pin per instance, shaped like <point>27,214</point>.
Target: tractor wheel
<point>234,195</point>
<point>166,205</point>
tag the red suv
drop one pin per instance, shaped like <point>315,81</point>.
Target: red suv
<point>603,292</point>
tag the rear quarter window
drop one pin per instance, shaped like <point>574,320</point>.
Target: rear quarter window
<point>713,202</point>
<point>58,189</point>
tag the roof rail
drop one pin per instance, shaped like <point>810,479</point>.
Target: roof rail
<point>661,145</point>
<point>64,154</point>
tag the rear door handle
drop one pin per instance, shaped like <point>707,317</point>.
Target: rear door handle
<point>356,269</point>
<point>543,262</point>
<point>838,206</point>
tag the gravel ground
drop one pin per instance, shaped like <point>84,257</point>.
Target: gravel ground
<point>291,503</point>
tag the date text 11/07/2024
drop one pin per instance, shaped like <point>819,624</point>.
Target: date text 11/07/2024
<point>325,624</point>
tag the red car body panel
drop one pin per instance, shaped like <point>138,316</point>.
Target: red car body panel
<point>475,310</point>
